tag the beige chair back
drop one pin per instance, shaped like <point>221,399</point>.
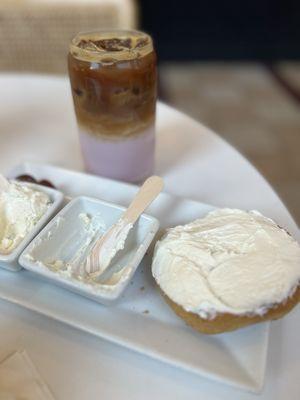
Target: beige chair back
<point>35,34</point>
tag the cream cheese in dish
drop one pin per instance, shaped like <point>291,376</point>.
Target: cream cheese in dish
<point>231,261</point>
<point>68,254</point>
<point>21,207</point>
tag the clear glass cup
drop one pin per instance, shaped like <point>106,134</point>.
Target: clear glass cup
<point>114,85</point>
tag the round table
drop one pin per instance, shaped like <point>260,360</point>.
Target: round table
<point>37,123</point>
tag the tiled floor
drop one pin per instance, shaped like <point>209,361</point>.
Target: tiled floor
<point>252,109</point>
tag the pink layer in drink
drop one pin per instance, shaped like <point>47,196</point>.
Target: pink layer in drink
<point>130,159</point>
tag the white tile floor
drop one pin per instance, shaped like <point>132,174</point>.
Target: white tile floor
<point>246,105</point>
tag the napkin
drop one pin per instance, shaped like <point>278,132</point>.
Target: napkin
<point>19,379</point>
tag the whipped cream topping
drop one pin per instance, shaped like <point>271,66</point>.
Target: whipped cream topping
<point>21,207</point>
<point>231,261</point>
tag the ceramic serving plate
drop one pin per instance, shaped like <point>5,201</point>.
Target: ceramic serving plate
<point>141,320</point>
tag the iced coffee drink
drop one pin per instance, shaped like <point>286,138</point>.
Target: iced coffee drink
<point>113,80</point>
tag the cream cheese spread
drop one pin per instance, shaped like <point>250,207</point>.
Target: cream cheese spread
<point>21,207</point>
<point>231,261</point>
<point>68,252</point>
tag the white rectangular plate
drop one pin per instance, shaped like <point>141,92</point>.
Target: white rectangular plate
<point>141,321</point>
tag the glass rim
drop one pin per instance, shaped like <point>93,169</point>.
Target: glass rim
<point>110,55</point>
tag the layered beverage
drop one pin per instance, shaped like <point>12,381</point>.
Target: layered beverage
<point>113,80</point>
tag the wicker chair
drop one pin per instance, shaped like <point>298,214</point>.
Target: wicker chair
<point>35,34</point>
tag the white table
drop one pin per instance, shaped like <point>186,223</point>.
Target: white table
<point>37,124</point>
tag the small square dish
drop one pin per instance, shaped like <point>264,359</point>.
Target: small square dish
<point>9,259</point>
<point>59,252</point>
